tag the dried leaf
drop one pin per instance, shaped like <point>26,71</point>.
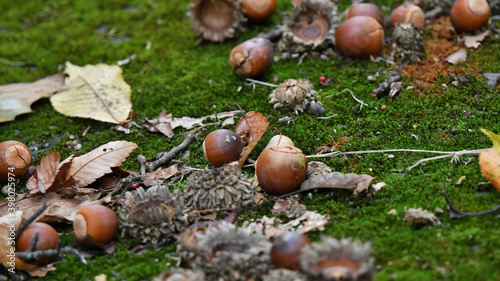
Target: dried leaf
<point>9,223</point>
<point>354,182</point>
<point>45,174</point>
<point>166,123</point>
<point>94,91</point>
<point>87,168</point>
<point>475,40</point>
<point>158,176</point>
<point>457,56</point>
<point>251,128</point>
<point>16,99</point>
<point>493,79</point>
<point>272,227</point>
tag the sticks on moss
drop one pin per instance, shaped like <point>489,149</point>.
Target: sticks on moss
<point>165,156</point>
<point>446,154</point>
<point>456,214</point>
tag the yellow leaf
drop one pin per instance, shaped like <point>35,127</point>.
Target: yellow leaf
<point>490,166</point>
<point>495,139</point>
<point>94,91</point>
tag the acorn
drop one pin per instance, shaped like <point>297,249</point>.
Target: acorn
<point>359,37</point>
<point>222,146</point>
<point>252,57</point>
<point>281,169</point>
<point>285,252</point>
<point>95,225</point>
<point>47,239</point>
<point>469,15</point>
<point>408,13</point>
<point>15,159</point>
<point>258,10</point>
<point>366,9</point>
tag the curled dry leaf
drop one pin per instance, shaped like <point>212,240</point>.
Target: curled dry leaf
<point>354,182</point>
<point>250,128</point>
<point>166,123</point>
<point>87,168</point>
<point>475,40</point>
<point>490,160</point>
<point>46,172</point>
<point>94,91</point>
<point>158,176</point>
<point>16,99</point>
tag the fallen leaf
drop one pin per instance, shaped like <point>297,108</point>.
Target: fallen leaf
<point>87,168</point>
<point>272,227</point>
<point>493,79</point>
<point>166,123</point>
<point>489,160</point>
<point>250,128</point>
<point>158,176</point>
<point>354,182</point>
<point>63,209</point>
<point>457,56</point>
<point>9,223</point>
<point>94,91</point>
<point>474,41</point>
<point>45,174</point>
<point>420,216</point>
<point>16,99</point>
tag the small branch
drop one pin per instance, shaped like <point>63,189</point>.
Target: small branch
<point>456,214</point>
<point>353,96</point>
<point>327,117</point>
<point>167,156</point>
<point>31,219</point>
<point>51,254</point>
<point>253,81</point>
<point>453,154</point>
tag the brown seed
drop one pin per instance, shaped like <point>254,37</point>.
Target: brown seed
<point>366,9</point>
<point>359,37</point>
<point>408,13</point>
<point>15,158</point>
<point>469,15</point>
<point>258,10</point>
<point>252,57</point>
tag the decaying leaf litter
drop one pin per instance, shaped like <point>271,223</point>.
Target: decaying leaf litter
<point>447,154</point>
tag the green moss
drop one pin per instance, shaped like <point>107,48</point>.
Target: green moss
<point>195,80</point>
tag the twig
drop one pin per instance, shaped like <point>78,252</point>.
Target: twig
<point>13,63</point>
<point>327,117</point>
<point>50,253</point>
<point>253,81</point>
<point>454,154</point>
<point>353,96</point>
<point>31,219</point>
<point>167,156</point>
<point>456,214</point>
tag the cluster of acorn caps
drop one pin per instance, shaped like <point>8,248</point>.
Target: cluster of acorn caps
<point>362,33</point>
<point>94,225</point>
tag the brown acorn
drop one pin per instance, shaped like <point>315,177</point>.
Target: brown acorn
<point>258,10</point>
<point>408,13</point>
<point>359,37</point>
<point>366,9</point>
<point>252,57</point>
<point>469,15</point>
<point>15,159</point>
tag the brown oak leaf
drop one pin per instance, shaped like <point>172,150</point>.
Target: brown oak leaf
<point>354,182</point>
<point>250,128</point>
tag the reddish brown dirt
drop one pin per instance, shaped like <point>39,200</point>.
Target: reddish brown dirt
<point>439,45</point>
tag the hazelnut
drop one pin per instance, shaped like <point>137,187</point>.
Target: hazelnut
<point>359,37</point>
<point>366,9</point>
<point>95,225</point>
<point>281,169</point>
<point>408,13</point>
<point>15,158</point>
<point>252,57</point>
<point>285,252</point>
<point>47,239</point>
<point>221,147</point>
<point>258,10</point>
<point>469,15</point>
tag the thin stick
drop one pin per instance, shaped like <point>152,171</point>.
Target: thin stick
<point>456,214</point>
<point>253,81</point>
<point>353,96</point>
<point>167,156</point>
<point>31,219</point>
